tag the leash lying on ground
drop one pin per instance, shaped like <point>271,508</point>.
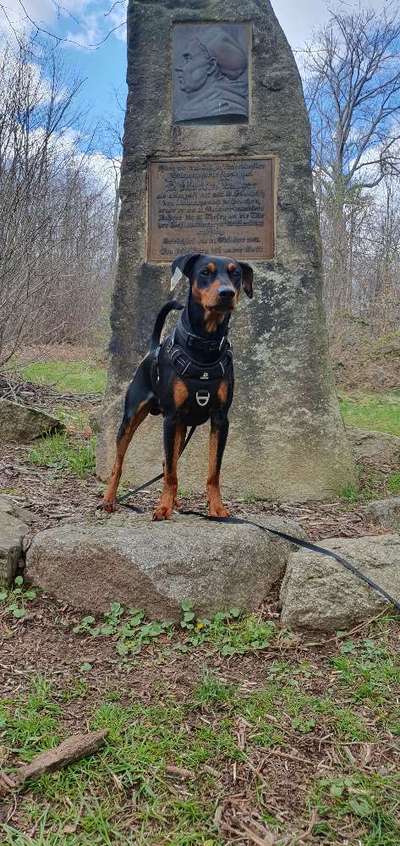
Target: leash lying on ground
<point>313,547</point>
<point>306,545</point>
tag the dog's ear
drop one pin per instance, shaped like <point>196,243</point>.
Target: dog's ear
<point>247,276</point>
<point>185,263</point>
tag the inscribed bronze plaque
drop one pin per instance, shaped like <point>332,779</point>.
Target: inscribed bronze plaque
<point>210,66</point>
<point>221,206</point>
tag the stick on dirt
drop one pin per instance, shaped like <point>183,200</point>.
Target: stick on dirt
<point>72,749</point>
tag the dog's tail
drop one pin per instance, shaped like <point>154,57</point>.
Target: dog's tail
<point>160,320</point>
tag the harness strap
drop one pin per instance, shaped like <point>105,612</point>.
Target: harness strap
<point>191,341</point>
<point>188,367</point>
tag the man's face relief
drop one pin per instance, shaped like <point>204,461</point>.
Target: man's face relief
<point>195,67</point>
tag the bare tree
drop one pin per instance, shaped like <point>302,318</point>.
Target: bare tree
<point>353,93</point>
<point>54,216</point>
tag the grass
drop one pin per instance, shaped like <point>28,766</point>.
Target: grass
<point>372,486</point>
<point>264,732</point>
<point>174,762</point>
<point>378,412</point>
<point>76,377</point>
<point>63,452</point>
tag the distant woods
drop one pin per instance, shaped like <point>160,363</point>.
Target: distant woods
<point>55,209</point>
<point>352,85</point>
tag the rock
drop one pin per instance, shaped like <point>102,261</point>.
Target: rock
<point>286,440</point>
<point>378,446</point>
<point>385,512</point>
<point>155,566</point>
<point>13,529</point>
<point>22,423</point>
<point>318,593</point>
<point>8,506</point>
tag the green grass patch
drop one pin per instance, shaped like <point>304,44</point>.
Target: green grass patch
<point>371,800</point>
<point>171,758</point>
<point>62,452</point>
<point>393,483</point>
<point>76,377</point>
<point>379,412</point>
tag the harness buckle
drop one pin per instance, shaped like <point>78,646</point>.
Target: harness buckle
<point>202,398</point>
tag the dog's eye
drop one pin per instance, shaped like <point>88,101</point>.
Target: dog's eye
<point>236,274</point>
<point>206,271</point>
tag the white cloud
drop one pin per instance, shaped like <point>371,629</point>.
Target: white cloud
<point>89,21</point>
<point>105,171</point>
<point>83,23</point>
<point>300,18</point>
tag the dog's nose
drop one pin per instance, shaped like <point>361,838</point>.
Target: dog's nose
<point>226,293</point>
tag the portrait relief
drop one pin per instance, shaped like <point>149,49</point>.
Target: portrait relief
<point>211,72</point>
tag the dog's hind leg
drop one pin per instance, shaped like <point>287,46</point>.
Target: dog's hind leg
<point>138,403</point>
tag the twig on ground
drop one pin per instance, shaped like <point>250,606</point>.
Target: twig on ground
<point>73,749</point>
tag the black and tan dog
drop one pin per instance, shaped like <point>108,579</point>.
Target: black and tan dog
<point>189,377</point>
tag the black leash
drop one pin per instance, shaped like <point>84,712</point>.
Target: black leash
<point>306,545</point>
<point>297,541</point>
<point>155,478</point>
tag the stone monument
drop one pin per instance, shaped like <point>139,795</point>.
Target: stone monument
<point>217,159</point>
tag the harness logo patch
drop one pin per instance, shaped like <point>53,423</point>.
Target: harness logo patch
<point>204,375</point>
<point>202,398</point>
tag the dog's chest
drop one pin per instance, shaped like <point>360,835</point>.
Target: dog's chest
<point>202,401</point>
<point>193,398</point>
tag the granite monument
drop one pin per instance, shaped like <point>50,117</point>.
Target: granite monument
<point>217,159</point>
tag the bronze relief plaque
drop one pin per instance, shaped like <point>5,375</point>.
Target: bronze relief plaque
<point>210,66</point>
<point>215,205</point>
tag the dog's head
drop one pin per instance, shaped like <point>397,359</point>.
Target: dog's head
<point>215,281</point>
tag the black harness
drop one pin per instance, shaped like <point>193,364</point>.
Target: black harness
<point>202,380</point>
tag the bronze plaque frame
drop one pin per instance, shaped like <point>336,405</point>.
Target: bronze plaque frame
<point>218,205</point>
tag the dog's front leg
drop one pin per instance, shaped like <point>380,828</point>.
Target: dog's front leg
<point>174,435</point>
<point>218,436</point>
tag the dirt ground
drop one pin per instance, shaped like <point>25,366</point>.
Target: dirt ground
<point>253,787</point>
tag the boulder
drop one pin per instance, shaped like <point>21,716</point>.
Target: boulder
<point>318,593</point>
<point>385,512</point>
<point>14,526</point>
<point>22,423</point>
<point>375,446</point>
<point>155,566</point>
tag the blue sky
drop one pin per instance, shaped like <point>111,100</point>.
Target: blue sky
<point>88,22</point>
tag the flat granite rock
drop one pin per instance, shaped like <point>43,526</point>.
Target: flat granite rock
<point>319,594</point>
<point>155,566</point>
<point>22,423</point>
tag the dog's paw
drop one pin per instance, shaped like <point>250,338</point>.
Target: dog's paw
<point>218,511</point>
<point>108,505</point>
<point>162,512</point>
